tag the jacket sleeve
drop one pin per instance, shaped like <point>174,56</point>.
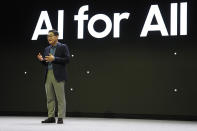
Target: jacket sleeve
<point>44,62</point>
<point>65,59</point>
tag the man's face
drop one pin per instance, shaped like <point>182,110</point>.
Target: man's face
<point>52,39</point>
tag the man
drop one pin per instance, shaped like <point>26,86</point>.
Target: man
<point>55,58</point>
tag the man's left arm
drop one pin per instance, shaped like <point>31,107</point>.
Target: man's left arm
<point>66,57</point>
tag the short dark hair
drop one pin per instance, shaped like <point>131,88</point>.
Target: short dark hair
<point>55,32</point>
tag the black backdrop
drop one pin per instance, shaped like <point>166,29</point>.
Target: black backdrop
<point>128,75</point>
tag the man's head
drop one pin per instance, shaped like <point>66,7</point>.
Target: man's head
<point>53,37</point>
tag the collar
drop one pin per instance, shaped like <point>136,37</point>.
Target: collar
<point>54,45</point>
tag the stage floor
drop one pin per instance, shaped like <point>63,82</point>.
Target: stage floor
<point>9,123</point>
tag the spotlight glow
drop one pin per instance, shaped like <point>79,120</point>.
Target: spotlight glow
<point>175,90</point>
<point>87,72</point>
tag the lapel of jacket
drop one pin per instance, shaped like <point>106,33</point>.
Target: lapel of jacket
<point>48,50</point>
<point>57,48</point>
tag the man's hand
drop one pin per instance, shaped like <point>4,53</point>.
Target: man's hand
<point>49,58</point>
<point>39,56</point>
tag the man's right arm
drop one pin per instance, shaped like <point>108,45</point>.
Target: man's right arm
<point>43,62</point>
<point>41,59</point>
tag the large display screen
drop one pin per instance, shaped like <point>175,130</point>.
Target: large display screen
<point>127,57</point>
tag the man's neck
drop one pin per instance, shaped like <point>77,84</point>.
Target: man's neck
<point>54,44</point>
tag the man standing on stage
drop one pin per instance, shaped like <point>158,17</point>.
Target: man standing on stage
<point>55,58</point>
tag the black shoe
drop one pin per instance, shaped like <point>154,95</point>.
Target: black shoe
<point>49,120</point>
<point>60,121</point>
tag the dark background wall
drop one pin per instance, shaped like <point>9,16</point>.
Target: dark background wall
<point>128,75</point>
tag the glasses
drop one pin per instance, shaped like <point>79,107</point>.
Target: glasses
<point>49,36</point>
